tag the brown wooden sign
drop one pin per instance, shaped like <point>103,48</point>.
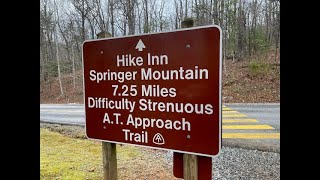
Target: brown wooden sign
<point>160,90</point>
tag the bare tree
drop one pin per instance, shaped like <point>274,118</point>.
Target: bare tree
<point>131,15</point>
<point>111,15</point>
<point>57,49</point>
<point>204,12</point>
<point>159,16</point>
<point>249,27</point>
<point>146,28</point>
<point>128,11</point>
<point>92,20</point>
<point>66,30</point>
<point>47,25</point>
<point>181,11</point>
<point>177,19</point>
<point>139,14</point>
<point>99,12</point>
<point>277,27</point>
<point>82,8</point>
<point>214,14</point>
<point>241,31</point>
<point>186,9</point>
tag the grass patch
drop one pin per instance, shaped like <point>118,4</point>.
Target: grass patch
<point>68,158</point>
<point>65,155</point>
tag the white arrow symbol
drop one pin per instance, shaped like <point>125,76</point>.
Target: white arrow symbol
<point>140,45</point>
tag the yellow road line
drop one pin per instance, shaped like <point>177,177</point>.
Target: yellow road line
<point>238,120</point>
<point>233,115</point>
<point>251,135</point>
<point>227,109</point>
<point>246,127</point>
<point>62,111</point>
<point>227,112</point>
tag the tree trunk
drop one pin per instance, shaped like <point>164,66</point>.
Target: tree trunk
<point>241,32</point>
<point>270,22</point>
<point>186,9</point>
<point>197,12</point>
<point>181,11</point>
<point>234,24</point>
<point>277,31</point>
<point>111,6</point>
<point>73,68</point>
<point>139,19</point>
<point>215,11</point>
<point>124,26</point>
<point>227,31</point>
<point>131,16</point>
<point>254,26</point>
<point>92,28</point>
<point>83,18</point>
<point>176,15</point>
<point>57,53</point>
<point>266,20</point>
<point>146,17</point>
<point>221,13</point>
<point>250,31</point>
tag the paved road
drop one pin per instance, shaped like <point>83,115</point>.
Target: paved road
<point>62,113</point>
<point>265,113</point>
<point>262,133</point>
<point>250,126</point>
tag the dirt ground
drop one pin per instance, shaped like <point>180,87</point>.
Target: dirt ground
<point>251,81</point>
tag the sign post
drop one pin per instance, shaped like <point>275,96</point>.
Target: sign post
<point>182,168</point>
<point>109,150</point>
<point>190,167</point>
<point>158,90</point>
<point>190,161</point>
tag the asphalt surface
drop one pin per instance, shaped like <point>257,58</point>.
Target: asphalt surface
<point>71,114</point>
<point>239,123</point>
<point>265,113</point>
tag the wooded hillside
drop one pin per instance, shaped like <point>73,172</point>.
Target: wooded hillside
<point>251,28</point>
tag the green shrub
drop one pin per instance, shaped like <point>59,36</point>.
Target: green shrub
<point>258,68</point>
